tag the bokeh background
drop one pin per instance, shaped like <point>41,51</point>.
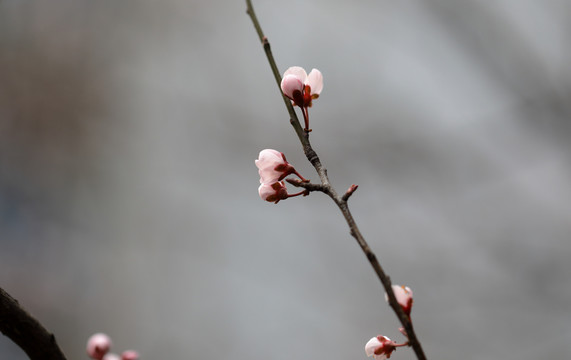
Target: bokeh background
<point>128,191</point>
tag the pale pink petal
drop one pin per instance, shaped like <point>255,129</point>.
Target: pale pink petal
<point>291,83</point>
<point>265,191</point>
<point>98,345</point>
<point>273,192</point>
<point>268,176</point>
<point>315,81</point>
<point>298,72</point>
<point>372,345</point>
<point>403,294</point>
<point>270,154</point>
<point>267,161</point>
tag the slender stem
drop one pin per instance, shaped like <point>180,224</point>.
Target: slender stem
<point>385,279</point>
<point>341,202</point>
<point>24,330</point>
<point>267,49</point>
<point>305,111</point>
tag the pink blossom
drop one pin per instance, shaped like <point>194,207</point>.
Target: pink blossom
<point>272,166</point>
<point>403,294</point>
<point>98,345</point>
<point>273,192</point>
<point>130,355</point>
<point>380,347</point>
<point>300,87</point>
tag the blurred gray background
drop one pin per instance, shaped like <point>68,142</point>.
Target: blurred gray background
<point>128,191</point>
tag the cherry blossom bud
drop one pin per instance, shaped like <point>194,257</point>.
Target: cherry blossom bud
<point>98,345</point>
<point>403,294</point>
<point>130,355</point>
<point>380,347</point>
<point>273,192</point>
<point>272,166</point>
<point>300,87</point>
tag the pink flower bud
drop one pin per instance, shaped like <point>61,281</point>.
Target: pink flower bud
<point>273,192</point>
<point>300,87</point>
<point>98,345</point>
<point>130,355</point>
<point>272,166</point>
<point>403,294</point>
<point>380,347</point>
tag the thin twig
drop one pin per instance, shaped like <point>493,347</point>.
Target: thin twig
<point>340,201</point>
<point>27,332</point>
<point>308,186</point>
<point>349,192</point>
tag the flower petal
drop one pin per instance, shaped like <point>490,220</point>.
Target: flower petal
<point>298,72</point>
<point>270,155</point>
<point>267,162</point>
<point>265,191</point>
<point>372,345</point>
<point>291,83</point>
<point>315,81</point>
<point>403,294</point>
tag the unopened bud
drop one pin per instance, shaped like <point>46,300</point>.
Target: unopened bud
<point>98,345</point>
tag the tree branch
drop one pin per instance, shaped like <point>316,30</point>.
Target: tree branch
<point>340,201</point>
<point>24,330</point>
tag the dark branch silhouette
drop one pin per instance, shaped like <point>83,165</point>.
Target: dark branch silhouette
<point>27,332</point>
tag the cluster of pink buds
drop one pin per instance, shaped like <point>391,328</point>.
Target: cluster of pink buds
<point>302,89</point>
<point>381,347</point>
<point>98,347</point>
<point>273,168</point>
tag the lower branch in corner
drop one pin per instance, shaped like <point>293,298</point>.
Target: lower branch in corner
<point>27,332</point>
